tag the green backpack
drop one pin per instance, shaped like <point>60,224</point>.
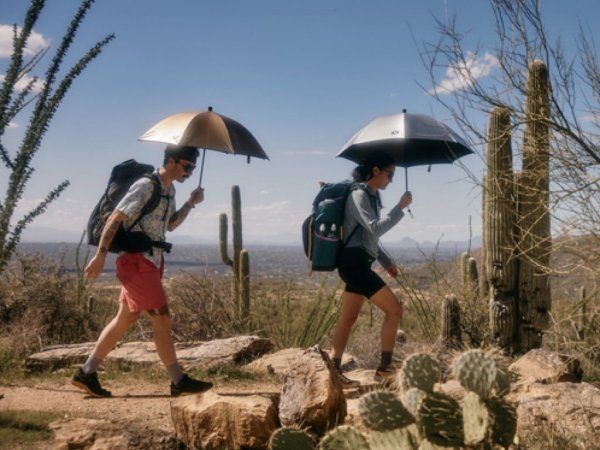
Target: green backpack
<point>323,234</point>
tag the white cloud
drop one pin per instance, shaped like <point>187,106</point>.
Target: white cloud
<point>24,81</point>
<point>463,75</point>
<point>35,43</point>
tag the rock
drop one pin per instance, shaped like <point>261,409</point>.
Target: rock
<point>567,410</point>
<point>312,396</point>
<point>212,422</point>
<point>280,362</point>
<point>91,434</point>
<point>230,351</point>
<point>58,356</point>
<point>544,366</point>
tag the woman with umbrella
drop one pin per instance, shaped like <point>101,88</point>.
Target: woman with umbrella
<point>363,213</point>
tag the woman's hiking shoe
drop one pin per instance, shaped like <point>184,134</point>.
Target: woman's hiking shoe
<point>188,385</point>
<point>346,382</point>
<point>385,374</point>
<point>89,383</point>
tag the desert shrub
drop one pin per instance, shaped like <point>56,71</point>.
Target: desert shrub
<point>38,307</point>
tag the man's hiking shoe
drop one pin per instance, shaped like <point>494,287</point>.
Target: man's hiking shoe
<point>188,385</point>
<point>385,374</point>
<point>346,382</point>
<point>89,383</point>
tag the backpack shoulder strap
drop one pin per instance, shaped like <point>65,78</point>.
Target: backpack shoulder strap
<point>152,202</point>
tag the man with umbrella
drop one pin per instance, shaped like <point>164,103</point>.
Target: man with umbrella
<point>140,273</point>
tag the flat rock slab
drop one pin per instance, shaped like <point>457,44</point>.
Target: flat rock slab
<point>108,435</point>
<point>229,351</point>
<point>212,421</point>
<point>282,361</point>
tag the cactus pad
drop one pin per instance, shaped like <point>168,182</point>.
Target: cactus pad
<point>400,438</point>
<point>383,411</point>
<point>476,419</point>
<point>441,420</point>
<point>412,399</point>
<point>420,370</point>
<point>476,371</point>
<point>287,438</point>
<point>344,437</point>
<point>504,421</point>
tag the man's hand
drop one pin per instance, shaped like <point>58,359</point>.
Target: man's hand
<point>196,196</point>
<point>96,265</point>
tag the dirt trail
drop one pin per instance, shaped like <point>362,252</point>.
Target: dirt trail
<point>140,401</point>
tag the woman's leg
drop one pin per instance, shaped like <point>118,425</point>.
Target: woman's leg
<point>385,300</point>
<point>351,306</point>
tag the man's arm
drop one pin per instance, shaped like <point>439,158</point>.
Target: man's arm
<point>96,264</point>
<point>196,196</point>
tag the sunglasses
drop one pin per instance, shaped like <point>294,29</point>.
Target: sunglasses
<point>390,174</point>
<point>189,168</point>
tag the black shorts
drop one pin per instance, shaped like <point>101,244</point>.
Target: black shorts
<point>355,270</point>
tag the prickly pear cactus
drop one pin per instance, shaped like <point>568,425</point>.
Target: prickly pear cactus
<point>287,438</point>
<point>476,419</point>
<point>383,411</point>
<point>344,437</point>
<point>476,371</point>
<point>401,438</point>
<point>441,420</point>
<point>420,370</point>
<point>504,421</point>
<point>412,399</point>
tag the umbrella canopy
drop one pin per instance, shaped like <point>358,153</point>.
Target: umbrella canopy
<point>207,130</point>
<point>410,139</point>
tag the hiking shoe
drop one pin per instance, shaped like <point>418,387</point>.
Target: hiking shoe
<point>346,382</point>
<point>188,385</point>
<point>385,374</point>
<point>89,383</point>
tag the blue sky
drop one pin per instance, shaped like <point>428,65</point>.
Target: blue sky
<point>303,77</point>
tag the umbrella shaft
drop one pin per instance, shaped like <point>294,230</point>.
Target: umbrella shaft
<point>202,167</point>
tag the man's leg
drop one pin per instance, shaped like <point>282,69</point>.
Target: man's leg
<point>86,378</point>
<point>181,384</point>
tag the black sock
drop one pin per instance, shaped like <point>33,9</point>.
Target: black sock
<point>337,364</point>
<point>386,359</point>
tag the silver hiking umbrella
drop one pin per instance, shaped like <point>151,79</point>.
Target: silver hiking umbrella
<point>207,130</point>
<point>410,139</point>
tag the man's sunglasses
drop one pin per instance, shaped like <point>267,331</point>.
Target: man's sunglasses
<point>390,174</point>
<point>189,168</point>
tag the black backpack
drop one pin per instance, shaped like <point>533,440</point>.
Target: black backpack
<point>323,234</point>
<point>121,178</point>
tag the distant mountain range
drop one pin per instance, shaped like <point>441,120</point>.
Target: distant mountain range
<point>51,235</point>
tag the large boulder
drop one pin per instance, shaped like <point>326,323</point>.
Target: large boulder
<point>569,411</point>
<point>312,396</point>
<point>543,366</point>
<point>282,361</point>
<point>229,351</point>
<point>213,422</point>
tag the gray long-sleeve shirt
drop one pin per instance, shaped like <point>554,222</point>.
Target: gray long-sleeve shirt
<point>363,209</point>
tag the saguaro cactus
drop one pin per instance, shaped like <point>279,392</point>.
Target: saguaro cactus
<point>240,263</point>
<point>499,219</point>
<point>450,334</point>
<point>534,244</point>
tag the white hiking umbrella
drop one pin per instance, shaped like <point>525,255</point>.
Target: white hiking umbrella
<point>207,130</point>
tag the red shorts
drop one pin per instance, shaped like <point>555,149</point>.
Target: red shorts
<point>142,288</point>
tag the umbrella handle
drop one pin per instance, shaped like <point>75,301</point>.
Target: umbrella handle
<point>406,186</point>
<point>202,167</point>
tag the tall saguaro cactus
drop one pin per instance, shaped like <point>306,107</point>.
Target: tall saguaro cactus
<point>499,219</point>
<point>240,263</point>
<point>517,239</point>
<point>534,244</point>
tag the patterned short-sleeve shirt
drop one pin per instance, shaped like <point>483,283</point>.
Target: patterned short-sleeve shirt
<point>153,224</point>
